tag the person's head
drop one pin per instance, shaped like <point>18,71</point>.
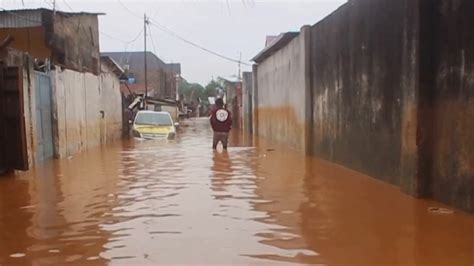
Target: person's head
<point>219,102</point>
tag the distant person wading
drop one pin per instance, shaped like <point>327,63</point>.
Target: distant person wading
<point>221,122</point>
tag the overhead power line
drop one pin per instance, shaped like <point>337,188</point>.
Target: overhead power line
<point>108,35</point>
<point>129,10</point>
<point>165,29</point>
<point>49,3</point>
<point>68,6</point>
<point>121,40</point>
<point>153,42</point>
<point>170,32</point>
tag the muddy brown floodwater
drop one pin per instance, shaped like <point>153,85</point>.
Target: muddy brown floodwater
<point>181,203</point>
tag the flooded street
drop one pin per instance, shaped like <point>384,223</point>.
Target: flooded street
<point>181,203</point>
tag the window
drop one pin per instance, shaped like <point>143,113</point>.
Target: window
<point>154,119</point>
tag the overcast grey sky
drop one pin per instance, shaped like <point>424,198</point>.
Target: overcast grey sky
<point>226,27</point>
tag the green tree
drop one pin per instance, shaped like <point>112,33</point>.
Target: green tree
<point>211,89</point>
<point>191,91</point>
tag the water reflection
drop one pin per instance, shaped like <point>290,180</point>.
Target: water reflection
<point>179,202</point>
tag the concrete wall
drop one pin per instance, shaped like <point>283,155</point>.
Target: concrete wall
<point>247,94</point>
<point>71,40</point>
<point>392,94</point>
<point>88,110</point>
<point>233,102</point>
<point>111,104</point>
<point>74,41</point>
<point>31,40</point>
<point>280,101</point>
<point>363,73</point>
<point>451,94</point>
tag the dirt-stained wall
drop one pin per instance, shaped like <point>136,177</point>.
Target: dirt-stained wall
<point>364,75</point>
<point>74,40</point>
<point>86,110</point>
<point>281,106</point>
<point>28,39</point>
<point>68,39</point>
<point>392,94</point>
<point>247,102</point>
<point>452,142</point>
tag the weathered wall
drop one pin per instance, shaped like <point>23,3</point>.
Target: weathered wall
<point>111,104</point>
<point>233,102</point>
<point>364,73</point>
<point>88,110</point>
<point>68,39</point>
<point>173,110</point>
<point>392,94</point>
<point>74,40</point>
<point>247,91</point>
<point>452,145</point>
<point>31,40</point>
<point>281,107</point>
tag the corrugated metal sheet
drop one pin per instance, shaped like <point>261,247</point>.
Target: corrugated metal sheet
<point>20,19</point>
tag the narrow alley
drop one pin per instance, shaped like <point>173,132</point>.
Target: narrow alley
<point>178,202</point>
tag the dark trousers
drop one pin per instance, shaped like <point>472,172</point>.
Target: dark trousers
<point>222,137</point>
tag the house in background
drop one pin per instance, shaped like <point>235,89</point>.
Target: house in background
<point>162,77</point>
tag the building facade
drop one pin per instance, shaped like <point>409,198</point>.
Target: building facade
<point>162,78</point>
<point>57,98</point>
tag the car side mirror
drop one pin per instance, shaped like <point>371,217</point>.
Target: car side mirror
<point>130,122</point>
<point>176,124</point>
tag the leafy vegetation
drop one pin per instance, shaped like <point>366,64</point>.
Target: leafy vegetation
<point>193,91</point>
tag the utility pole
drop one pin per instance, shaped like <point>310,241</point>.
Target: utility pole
<point>239,76</point>
<point>145,23</point>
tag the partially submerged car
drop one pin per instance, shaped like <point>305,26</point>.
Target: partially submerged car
<point>154,125</point>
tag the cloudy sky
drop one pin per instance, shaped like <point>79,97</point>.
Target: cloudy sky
<point>230,28</point>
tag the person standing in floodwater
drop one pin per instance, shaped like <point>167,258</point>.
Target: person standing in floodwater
<point>221,123</point>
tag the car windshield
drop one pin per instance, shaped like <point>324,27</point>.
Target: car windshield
<point>155,119</point>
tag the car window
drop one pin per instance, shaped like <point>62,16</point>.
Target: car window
<point>155,119</point>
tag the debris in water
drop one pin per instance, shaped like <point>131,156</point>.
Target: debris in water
<point>438,210</point>
<point>270,149</point>
<point>54,251</point>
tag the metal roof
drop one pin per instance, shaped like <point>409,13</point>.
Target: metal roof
<point>135,60</point>
<point>20,18</point>
<point>281,41</point>
<point>117,69</point>
<point>2,10</point>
